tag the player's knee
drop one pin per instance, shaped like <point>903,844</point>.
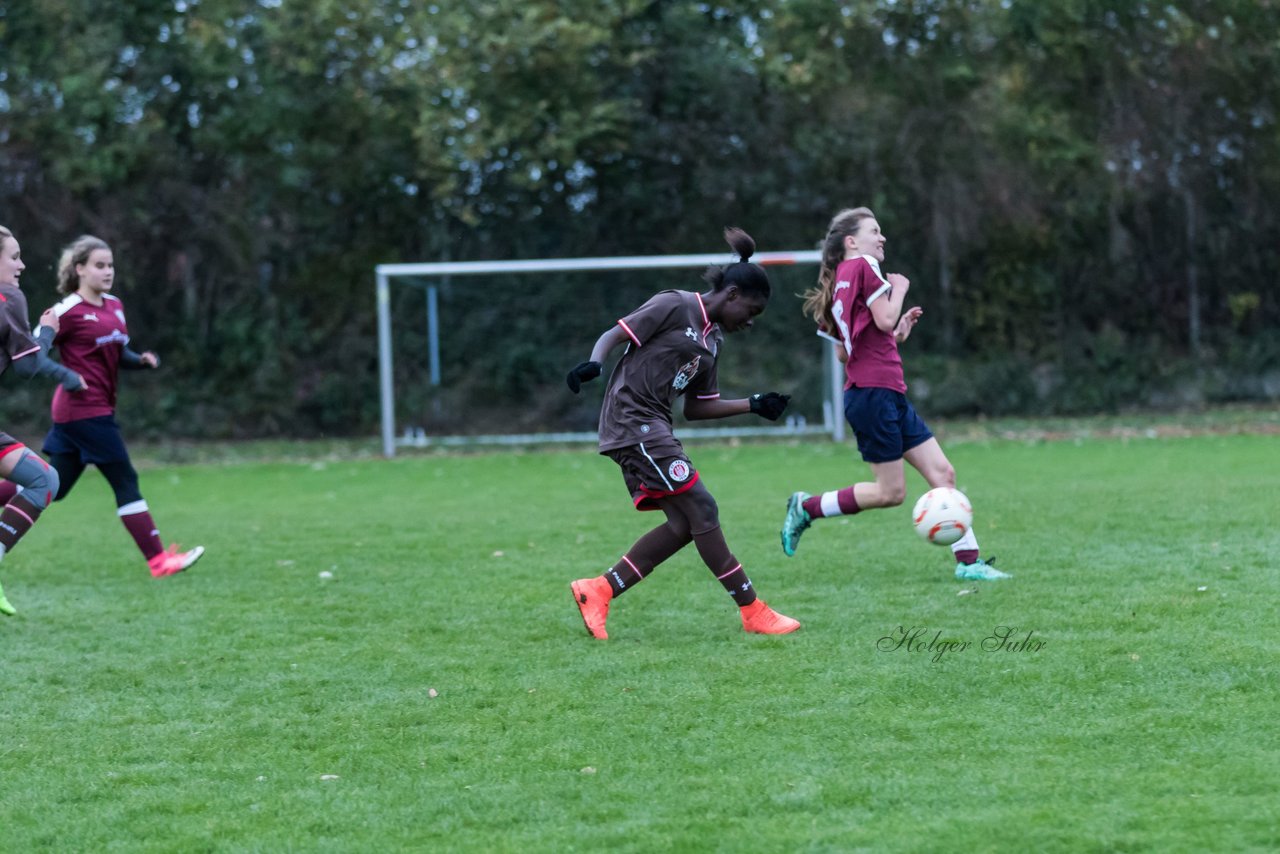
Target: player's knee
<point>894,494</point>
<point>679,526</point>
<point>54,487</point>
<point>947,476</point>
<point>124,483</point>
<point>699,510</point>
<point>39,480</point>
<point>127,493</point>
<point>706,513</point>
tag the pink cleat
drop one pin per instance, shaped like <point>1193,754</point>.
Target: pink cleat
<point>171,561</point>
<point>761,619</point>
<point>592,596</point>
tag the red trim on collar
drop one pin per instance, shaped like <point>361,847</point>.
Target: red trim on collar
<point>706,321</point>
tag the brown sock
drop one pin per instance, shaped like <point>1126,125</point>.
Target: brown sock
<point>724,566</point>
<point>647,552</point>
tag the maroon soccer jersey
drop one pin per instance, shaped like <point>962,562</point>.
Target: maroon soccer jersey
<point>672,352</point>
<point>873,355</point>
<point>16,340</point>
<point>90,340</point>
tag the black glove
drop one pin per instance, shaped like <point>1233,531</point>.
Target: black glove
<point>583,373</point>
<point>769,405</point>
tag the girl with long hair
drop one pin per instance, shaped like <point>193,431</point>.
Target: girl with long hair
<point>861,308</point>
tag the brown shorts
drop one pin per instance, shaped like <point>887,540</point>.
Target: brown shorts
<point>654,470</point>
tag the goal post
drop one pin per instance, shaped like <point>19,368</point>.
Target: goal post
<point>386,274</point>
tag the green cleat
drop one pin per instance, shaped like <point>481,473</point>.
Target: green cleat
<point>5,608</point>
<point>980,570</point>
<point>795,523</point>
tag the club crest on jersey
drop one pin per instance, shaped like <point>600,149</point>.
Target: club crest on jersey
<point>679,471</point>
<point>685,374</point>
<point>688,331</point>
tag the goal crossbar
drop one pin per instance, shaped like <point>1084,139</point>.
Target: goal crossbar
<point>385,273</point>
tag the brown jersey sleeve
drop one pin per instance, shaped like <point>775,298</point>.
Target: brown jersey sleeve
<point>652,317</point>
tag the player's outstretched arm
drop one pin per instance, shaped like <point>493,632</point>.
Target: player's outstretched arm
<point>769,405</point>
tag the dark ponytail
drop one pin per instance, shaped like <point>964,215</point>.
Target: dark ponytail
<point>750,278</point>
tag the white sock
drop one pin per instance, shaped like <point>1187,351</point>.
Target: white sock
<point>968,541</point>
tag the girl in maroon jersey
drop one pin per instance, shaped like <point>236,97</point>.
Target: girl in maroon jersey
<point>93,340</point>
<point>23,471</point>
<point>672,346</point>
<point>861,309</point>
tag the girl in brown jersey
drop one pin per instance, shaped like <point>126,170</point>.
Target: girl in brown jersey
<point>672,346</point>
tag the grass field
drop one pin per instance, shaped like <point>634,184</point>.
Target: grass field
<point>444,681</point>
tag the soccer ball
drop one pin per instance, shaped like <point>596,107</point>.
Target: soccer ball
<point>942,515</point>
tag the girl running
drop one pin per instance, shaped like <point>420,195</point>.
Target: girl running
<point>862,309</point>
<point>673,343</point>
<point>20,468</point>
<point>93,340</point>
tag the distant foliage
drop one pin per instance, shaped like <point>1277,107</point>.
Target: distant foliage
<point>1081,193</point>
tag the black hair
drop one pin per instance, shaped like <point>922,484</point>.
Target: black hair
<point>750,278</point>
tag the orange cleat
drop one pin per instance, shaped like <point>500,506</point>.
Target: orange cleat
<point>171,561</point>
<point>763,620</point>
<point>592,596</point>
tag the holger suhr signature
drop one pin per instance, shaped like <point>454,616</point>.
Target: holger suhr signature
<point>925,640</point>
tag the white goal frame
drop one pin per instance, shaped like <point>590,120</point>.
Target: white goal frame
<point>833,411</point>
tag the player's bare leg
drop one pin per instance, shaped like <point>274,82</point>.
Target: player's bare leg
<point>933,465</point>
<point>887,490</point>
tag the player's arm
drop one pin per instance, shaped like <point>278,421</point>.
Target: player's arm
<point>36,363</point>
<point>907,322</point>
<point>137,361</point>
<point>769,405</point>
<point>587,371</point>
<point>608,342</point>
<point>701,410</point>
<point>886,308</point>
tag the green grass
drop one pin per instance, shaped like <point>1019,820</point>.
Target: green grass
<point>444,676</point>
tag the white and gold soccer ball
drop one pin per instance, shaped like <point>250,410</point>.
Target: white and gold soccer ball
<point>942,515</point>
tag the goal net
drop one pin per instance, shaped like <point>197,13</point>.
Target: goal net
<point>475,352</point>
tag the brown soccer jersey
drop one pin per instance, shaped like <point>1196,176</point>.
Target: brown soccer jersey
<point>672,351</point>
<point>16,339</point>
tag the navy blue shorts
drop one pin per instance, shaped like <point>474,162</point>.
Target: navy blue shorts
<point>97,440</point>
<point>885,423</point>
